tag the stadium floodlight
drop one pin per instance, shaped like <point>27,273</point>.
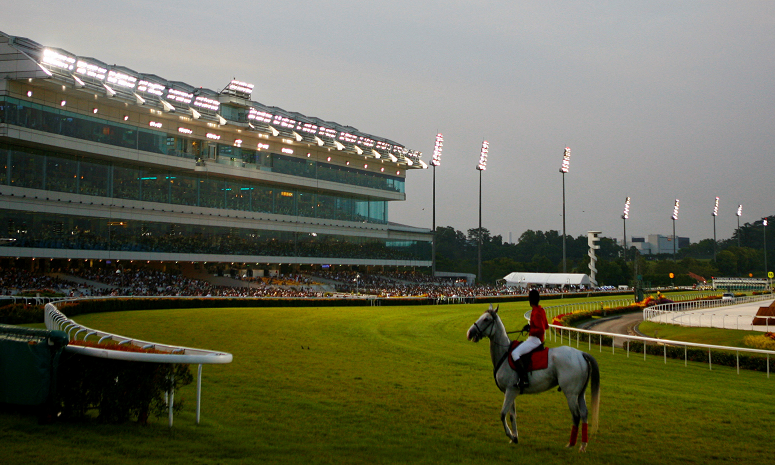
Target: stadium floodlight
<point>481,167</point>
<point>675,217</point>
<point>565,161</point>
<point>715,214</point>
<point>436,161</point>
<point>739,212</point>
<point>483,156</point>
<point>626,214</point>
<point>764,235</point>
<point>625,217</point>
<point>564,169</point>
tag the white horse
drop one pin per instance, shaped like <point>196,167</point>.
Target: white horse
<point>568,367</point>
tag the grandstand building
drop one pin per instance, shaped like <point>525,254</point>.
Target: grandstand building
<point>100,162</point>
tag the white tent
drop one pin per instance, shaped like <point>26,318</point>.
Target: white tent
<point>520,279</point>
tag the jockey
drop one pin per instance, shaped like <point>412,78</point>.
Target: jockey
<point>536,332</point>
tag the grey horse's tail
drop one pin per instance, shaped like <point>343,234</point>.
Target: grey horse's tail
<point>595,375</point>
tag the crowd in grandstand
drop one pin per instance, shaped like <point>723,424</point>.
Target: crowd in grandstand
<point>79,282</point>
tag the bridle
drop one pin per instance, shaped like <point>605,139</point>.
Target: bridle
<point>481,331</point>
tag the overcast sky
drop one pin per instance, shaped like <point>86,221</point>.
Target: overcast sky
<point>658,100</point>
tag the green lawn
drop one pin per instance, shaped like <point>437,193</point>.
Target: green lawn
<point>399,385</point>
<point>714,336</point>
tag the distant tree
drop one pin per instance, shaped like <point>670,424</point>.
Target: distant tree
<point>727,263</point>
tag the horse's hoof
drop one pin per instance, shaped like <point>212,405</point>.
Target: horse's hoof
<point>515,440</point>
<point>583,447</point>
<point>568,445</point>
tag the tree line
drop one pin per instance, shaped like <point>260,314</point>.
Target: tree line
<point>743,254</point>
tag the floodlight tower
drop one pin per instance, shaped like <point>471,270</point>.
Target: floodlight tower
<point>715,214</point>
<point>764,233</point>
<point>739,212</point>
<point>436,161</point>
<point>564,169</point>
<point>674,217</point>
<point>481,167</point>
<point>625,216</point>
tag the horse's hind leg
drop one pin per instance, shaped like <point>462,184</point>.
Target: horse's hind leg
<point>578,409</point>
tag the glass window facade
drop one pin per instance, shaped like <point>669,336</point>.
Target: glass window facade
<point>54,231</point>
<point>52,171</point>
<point>91,128</point>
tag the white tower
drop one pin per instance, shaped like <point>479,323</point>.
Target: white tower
<point>592,238</point>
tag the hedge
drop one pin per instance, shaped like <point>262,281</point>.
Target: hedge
<point>718,357</point>
<point>117,390</point>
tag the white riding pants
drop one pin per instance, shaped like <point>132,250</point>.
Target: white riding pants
<point>530,343</point>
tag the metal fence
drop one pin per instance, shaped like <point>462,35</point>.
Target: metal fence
<point>678,312</point>
<point>567,333</point>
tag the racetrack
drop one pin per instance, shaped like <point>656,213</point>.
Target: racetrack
<point>732,317</point>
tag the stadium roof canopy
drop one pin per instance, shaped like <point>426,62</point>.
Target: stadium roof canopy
<point>22,58</point>
<point>520,279</point>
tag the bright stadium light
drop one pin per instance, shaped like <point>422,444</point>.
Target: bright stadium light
<point>483,156</point>
<point>625,217</point>
<point>764,235</point>
<point>564,169</point>
<point>715,214</point>
<point>565,161</point>
<point>675,217</point>
<point>436,161</point>
<point>481,167</point>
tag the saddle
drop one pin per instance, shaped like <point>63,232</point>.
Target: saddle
<point>537,359</point>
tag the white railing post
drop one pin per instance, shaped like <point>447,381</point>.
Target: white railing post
<point>198,392</point>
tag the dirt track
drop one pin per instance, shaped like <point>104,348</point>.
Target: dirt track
<point>621,325</point>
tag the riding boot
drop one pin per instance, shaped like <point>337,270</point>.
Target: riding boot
<point>522,373</point>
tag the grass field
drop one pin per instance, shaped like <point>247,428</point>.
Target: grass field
<point>715,336</point>
<point>383,385</point>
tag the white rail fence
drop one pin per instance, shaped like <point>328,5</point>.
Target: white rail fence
<point>679,312</point>
<point>56,320</point>
<point>567,333</point>
<point>554,310</point>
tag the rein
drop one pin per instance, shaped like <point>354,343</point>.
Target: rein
<point>497,367</point>
<point>505,355</point>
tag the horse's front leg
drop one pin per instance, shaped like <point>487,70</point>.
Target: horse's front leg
<point>506,411</point>
<point>513,415</point>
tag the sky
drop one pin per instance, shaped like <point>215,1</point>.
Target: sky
<point>658,100</point>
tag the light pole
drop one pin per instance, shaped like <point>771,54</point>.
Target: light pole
<point>481,167</point>
<point>564,169</point>
<point>764,231</point>
<point>674,217</point>
<point>625,216</point>
<point>715,214</point>
<point>739,212</point>
<point>436,161</point>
